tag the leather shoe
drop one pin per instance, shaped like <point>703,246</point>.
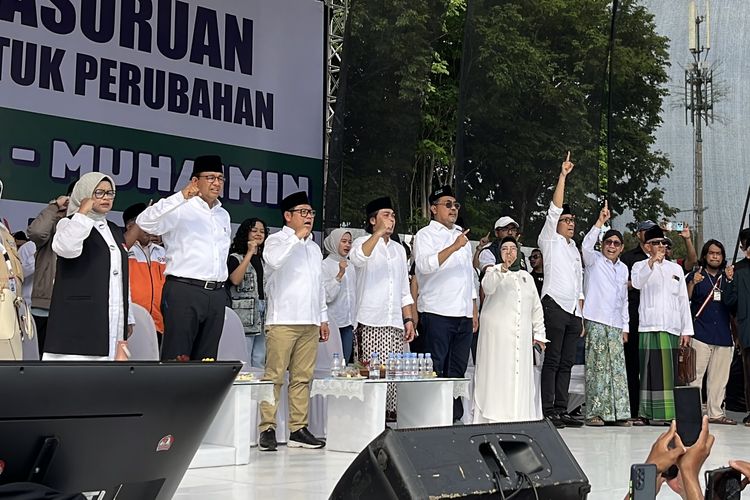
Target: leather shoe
<point>267,440</point>
<point>556,421</point>
<point>570,421</point>
<point>303,438</point>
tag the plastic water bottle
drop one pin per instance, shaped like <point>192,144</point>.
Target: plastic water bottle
<point>374,366</point>
<point>390,372</point>
<point>410,364</point>
<point>399,367</point>
<point>336,365</point>
<point>428,367</point>
<point>420,366</point>
<point>414,365</point>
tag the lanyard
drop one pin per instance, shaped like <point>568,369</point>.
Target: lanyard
<point>9,265</point>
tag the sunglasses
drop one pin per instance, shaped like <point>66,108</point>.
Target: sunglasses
<point>450,204</point>
<point>658,242</point>
<point>612,243</point>
<point>568,220</point>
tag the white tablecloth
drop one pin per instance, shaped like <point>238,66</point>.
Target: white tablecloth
<point>356,407</point>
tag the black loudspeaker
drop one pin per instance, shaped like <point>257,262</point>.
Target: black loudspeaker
<point>528,460</point>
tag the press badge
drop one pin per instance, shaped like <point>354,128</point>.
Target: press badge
<point>717,295</point>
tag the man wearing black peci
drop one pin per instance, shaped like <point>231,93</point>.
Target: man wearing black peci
<point>196,232</point>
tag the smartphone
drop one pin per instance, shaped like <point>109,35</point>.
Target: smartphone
<point>643,482</point>
<point>687,402</point>
<point>724,483</point>
<point>674,226</point>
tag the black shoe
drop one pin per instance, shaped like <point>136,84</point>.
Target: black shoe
<point>556,421</point>
<point>570,421</point>
<point>302,438</point>
<point>267,440</point>
<point>746,420</point>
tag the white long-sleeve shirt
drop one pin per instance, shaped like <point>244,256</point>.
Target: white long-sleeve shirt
<point>68,244</point>
<point>563,273</point>
<point>606,286</point>
<point>665,306</point>
<point>341,296</point>
<point>294,285</point>
<point>447,289</point>
<point>382,283</point>
<point>196,237</point>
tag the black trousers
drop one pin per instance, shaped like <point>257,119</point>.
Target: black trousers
<point>633,367</point>
<point>746,372</point>
<point>448,340</point>
<point>41,332</point>
<point>193,320</point>
<point>563,330</point>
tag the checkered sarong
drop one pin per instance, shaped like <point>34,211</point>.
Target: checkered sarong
<point>658,355</point>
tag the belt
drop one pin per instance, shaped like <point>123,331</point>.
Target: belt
<point>206,285</point>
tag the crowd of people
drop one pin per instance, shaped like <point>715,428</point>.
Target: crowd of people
<point>178,259</point>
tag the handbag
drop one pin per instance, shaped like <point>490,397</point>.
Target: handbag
<point>21,311</point>
<point>9,327</point>
<point>686,365</point>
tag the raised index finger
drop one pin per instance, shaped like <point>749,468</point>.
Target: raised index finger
<point>568,157</point>
<point>466,232</point>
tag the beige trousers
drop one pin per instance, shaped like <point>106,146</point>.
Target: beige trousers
<point>292,347</point>
<point>717,360</point>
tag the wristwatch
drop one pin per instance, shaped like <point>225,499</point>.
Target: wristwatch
<point>408,320</point>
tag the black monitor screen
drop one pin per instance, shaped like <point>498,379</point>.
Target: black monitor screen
<point>124,429</point>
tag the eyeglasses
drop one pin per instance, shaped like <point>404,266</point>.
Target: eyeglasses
<point>568,220</point>
<point>304,212</point>
<point>103,193</point>
<point>510,229</point>
<point>612,243</point>
<point>663,243</point>
<point>450,204</point>
<point>535,257</point>
<point>212,178</point>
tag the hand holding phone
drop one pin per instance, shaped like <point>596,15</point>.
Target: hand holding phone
<point>724,483</point>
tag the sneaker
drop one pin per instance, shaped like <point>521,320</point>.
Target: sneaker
<point>267,440</point>
<point>570,421</point>
<point>555,420</point>
<point>302,438</point>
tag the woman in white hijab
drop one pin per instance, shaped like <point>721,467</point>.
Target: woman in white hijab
<point>340,283</point>
<point>512,325</point>
<point>89,311</point>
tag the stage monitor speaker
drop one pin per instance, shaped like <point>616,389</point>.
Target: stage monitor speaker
<point>528,460</point>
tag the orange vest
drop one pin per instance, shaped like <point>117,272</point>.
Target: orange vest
<point>146,266</point>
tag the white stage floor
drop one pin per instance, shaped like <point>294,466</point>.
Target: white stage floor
<point>605,454</point>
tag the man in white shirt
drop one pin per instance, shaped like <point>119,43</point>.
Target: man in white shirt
<point>196,232</point>
<point>383,296</point>
<point>562,300</point>
<point>606,321</point>
<point>447,301</point>
<point>665,324</point>
<point>296,320</point>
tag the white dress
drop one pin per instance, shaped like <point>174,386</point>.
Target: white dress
<point>505,388</point>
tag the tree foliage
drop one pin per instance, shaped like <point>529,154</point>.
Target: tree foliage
<point>534,75</point>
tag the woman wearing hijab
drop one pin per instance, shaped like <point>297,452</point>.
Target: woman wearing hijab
<point>89,311</point>
<point>246,293</point>
<point>512,325</point>
<point>340,283</point>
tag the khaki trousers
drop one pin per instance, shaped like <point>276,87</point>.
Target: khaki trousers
<point>292,347</point>
<point>717,360</point>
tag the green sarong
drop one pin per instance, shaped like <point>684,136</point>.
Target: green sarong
<point>658,355</point>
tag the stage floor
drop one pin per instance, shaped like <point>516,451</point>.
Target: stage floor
<point>605,454</point>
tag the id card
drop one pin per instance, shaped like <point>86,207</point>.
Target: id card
<point>717,295</point>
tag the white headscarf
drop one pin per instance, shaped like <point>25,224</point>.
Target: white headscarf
<point>331,243</point>
<point>85,188</point>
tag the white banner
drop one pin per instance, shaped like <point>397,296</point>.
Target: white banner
<point>247,73</point>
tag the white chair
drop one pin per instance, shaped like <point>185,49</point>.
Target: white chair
<point>143,345</point>
<point>232,345</point>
